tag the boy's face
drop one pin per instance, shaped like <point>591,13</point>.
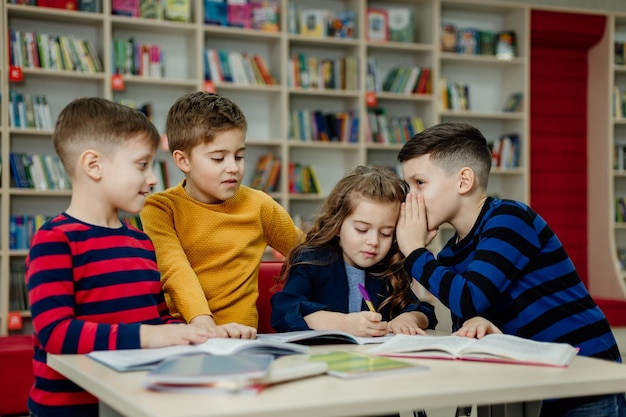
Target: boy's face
<point>215,170</point>
<point>366,235</point>
<point>440,190</point>
<point>128,176</point>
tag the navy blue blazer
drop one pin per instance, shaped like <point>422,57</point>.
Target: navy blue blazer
<point>312,288</point>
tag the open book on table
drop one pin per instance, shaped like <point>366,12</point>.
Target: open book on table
<point>143,359</point>
<point>491,348</point>
<point>321,337</point>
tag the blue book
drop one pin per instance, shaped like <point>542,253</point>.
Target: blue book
<point>215,12</point>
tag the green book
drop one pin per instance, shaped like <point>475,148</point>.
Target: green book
<point>345,364</point>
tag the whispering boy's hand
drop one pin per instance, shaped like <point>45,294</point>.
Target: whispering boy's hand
<point>412,228</point>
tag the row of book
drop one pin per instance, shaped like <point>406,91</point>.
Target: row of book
<point>473,41</point>
<point>266,175</point>
<point>316,125</point>
<point>321,23</point>
<point>172,10</point>
<point>505,151</point>
<point>382,128</point>
<point>93,6</point>
<point>235,67</point>
<point>455,96</point>
<point>22,227</point>
<point>620,210</point>
<point>619,157</point>
<point>260,14</point>
<point>135,58</point>
<point>29,111</point>
<point>394,24</point>
<point>40,50</point>
<point>307,71</point>
<point>18,293</point>
<point>620,53</point>
<point>407,80</point>
<point>303,179</point>
<point>619,102</point>
<point>37,171</point>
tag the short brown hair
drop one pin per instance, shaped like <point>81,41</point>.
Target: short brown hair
<point>452,146</point>
<point>196,118</point>
<point>94,122</point>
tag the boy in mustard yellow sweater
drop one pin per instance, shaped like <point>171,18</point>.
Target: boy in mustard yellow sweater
<point>210,231</point>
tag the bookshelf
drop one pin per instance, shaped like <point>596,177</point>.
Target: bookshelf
<point>607,179</point>
<point>270,108</point>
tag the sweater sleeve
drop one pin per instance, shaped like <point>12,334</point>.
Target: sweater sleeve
<point>280,231</point>
<point>182,288</point>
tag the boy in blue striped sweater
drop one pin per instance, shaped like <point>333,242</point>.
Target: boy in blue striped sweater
<point>504,269</point>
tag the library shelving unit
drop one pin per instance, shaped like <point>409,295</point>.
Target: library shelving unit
<point>607,179</point>
<point>270,109</point>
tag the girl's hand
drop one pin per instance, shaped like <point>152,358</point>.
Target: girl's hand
<point>366,323</point>
<point>405,323</point>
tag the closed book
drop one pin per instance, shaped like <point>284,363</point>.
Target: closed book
<point>203,368</point>
<point>349,365</point>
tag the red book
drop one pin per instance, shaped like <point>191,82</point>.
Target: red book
<point>239,14</point>
<point>58,4</point>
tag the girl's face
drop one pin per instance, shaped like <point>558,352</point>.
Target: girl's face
<point>366,235</point>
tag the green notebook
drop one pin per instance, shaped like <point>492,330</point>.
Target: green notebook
<point>355,365</point>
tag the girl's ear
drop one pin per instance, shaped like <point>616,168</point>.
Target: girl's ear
<point>181,160</point>
<point>90,162</point>
<point>466,180</point>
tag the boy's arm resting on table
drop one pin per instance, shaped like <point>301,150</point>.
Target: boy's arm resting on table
<point>173,264</point>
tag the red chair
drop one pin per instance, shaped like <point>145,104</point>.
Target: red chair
<point>16,374</point>
<point>268,271</point>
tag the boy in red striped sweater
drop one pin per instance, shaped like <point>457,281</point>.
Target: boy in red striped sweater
<point>93,282</point>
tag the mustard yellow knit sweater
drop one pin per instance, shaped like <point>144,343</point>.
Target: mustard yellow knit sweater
<point>209,254</point>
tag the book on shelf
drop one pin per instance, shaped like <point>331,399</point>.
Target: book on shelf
<point>448,37</point>
<point>92,6</point>
<point>350,365</point>
<point>401,24</point>
<point>265,15</point>
<point>141,359</point>
<point>215,12</point>
<point>321,337</point>
<point>150,9</point>
<point>313,22</point>
<point>125,8</point>
<point>238,14</point>
<point>341,24</point>
<point>281,370</point>
<point>377,25</point>
<point>513,102</point>
<point>467,41</point>
<point>499,348</point>
<point>177,10</point>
